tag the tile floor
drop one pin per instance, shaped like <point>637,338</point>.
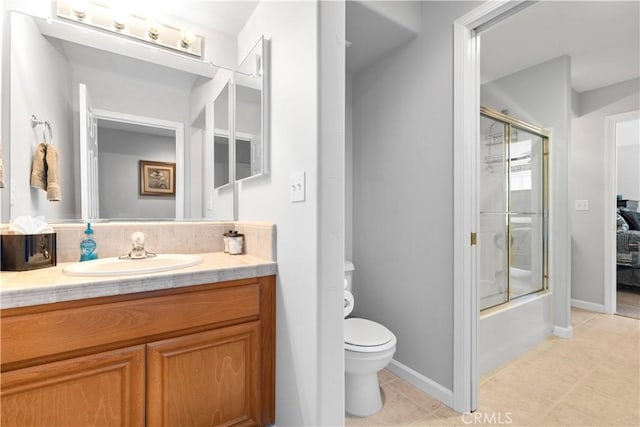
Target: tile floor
<point>628,301</point>
<point>592,379</point>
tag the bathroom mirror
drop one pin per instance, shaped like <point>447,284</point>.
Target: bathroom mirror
<point>127,84</point>
<point>221,139</point>
<point>251,114</point>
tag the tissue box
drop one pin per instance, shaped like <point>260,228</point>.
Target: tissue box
<point>21,252</point>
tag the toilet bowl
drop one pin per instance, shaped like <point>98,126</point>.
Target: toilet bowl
<point>368,348</point>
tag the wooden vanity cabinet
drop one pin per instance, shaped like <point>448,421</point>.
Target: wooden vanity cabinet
<point>195,356</point>
<point>104,389</point>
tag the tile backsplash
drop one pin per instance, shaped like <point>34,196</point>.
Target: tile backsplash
<point>114,238</point>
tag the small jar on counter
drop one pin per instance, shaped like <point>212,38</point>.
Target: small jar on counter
<point>236,243</point>
<point>225,240</point>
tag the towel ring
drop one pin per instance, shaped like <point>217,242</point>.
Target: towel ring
<point>45,125</point>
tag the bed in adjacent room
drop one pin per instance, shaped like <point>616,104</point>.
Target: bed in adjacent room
<point>627,247</point>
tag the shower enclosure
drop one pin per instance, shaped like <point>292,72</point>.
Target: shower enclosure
<point>512,196</point>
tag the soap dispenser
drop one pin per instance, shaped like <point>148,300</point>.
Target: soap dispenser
<point>88,245</point>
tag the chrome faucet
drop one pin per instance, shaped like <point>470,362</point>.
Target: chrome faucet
<point>137,250</point>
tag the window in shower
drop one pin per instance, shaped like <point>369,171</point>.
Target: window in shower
<point>512,241</point>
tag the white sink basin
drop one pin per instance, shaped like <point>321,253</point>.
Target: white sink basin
<point>123,267</point>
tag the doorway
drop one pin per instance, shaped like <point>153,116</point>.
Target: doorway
<point>89,162</point>
<point>622,193</point>
<point>550,309</point>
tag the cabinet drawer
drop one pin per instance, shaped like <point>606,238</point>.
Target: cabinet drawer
<point>37,335</point>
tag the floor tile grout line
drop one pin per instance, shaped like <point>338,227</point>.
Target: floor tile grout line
<point>440,404</point>
<point>581,381</point>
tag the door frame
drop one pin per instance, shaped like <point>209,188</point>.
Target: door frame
<point>466,101</point>
<point>610,205</point>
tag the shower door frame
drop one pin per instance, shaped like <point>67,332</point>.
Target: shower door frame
<point>511,123</point>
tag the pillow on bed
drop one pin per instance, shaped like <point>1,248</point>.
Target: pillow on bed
<point>621,224</point>
<point>632,218</point>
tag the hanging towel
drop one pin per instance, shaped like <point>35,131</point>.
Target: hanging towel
<point>53,174</point>
<point>1,168</point>
<point>39,167</point>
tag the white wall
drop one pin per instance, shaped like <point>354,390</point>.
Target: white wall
<point>404,13</point>
<point>3,131</point>
<point>587,182</point>
<point>403,194</point>
<point>539,95</point>
<point>628,159</point>
<point>307,134</point>
<point>119,153</point>
<point>41,85</point>
<point>348,175</point>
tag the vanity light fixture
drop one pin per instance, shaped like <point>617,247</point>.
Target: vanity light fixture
<point>116,19</point>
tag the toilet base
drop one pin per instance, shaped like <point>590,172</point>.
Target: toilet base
<point>362,394</point>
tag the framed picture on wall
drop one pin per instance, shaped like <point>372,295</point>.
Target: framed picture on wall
<point>157,178</point>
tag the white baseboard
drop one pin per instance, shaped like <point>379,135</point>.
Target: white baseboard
<point>586,305</point>
<point>425,384</point>
<point>562,332</point>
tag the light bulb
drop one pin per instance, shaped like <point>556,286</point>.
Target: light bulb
<point>186,38</point>
<point>119,15</point>
<point>154,30</point>
<point>79,8</point>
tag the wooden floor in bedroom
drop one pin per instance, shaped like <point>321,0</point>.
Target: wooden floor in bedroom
<point>628,303</point>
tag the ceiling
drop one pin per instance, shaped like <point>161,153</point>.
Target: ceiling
<point>602,38</point>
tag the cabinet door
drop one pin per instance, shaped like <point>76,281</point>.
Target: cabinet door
<point>205,379</point>
<point>104,389</point>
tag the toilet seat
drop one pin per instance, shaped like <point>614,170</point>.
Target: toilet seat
<point>366,336</point>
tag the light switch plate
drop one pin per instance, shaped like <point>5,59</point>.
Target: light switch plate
<point>581,205</point>
<point>297,187</point>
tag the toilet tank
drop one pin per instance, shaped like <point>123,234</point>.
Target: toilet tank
<point>348,274</point>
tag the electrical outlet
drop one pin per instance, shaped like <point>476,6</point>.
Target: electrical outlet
<point>581,205</point>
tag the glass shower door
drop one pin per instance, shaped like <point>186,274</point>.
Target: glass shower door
<point>492,239</point>
<point>512,200</point>
<point>526,213</point>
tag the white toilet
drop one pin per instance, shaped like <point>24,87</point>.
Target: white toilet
<point>368,348</point>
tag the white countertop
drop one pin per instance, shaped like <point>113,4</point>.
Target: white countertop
<point>49,285</point>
